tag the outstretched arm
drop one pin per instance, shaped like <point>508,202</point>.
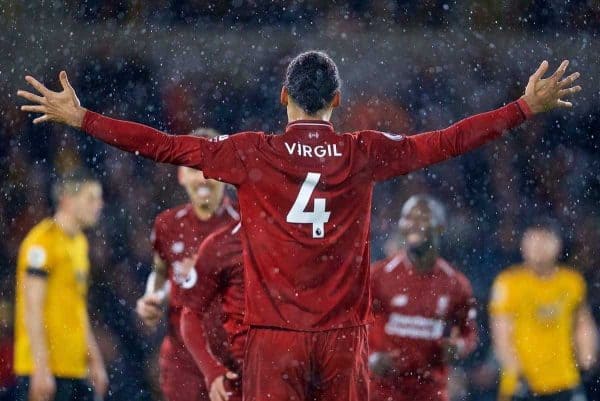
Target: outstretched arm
<point>64,107</point>
<point>396,155</point>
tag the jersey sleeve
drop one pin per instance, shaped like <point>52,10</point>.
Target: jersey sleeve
<point>579,289</point>
<point>156,238</point>
<point>196,341</point>
<point>501,301</point>
<point>203,291</point>
<point>219,157</point>
<point>391,155</point>
<point>36,256</point>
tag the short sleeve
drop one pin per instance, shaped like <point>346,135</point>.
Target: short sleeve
<point>156,236</point>
<point>225,158</point>
<point>501,300</point>
<point>36,256</point>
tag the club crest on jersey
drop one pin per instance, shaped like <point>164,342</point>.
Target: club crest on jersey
<point>177,247</point>
<point>442,305</point>
<point>300,149</point>
<point>399,300</point>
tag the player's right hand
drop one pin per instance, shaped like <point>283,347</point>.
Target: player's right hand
<point>218,392</point>
<point>62,107</point>
<point>544,94</point>
<point>42,385</point>
<point>149,309</point>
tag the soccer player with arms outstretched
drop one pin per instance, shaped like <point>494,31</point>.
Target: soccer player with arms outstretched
<point>176,235</point>
<point>423,309</point>
<point>305,202</point>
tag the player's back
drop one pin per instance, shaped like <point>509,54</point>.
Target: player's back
<point>306,203</point>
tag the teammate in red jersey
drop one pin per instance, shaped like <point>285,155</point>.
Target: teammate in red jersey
<point>424,311</point>
<point>175,237</point>
<point>305,200</point>
<point>219,266</point>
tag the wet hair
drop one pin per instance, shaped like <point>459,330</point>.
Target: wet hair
<point>70,184</point>
<point>312,79</point>
<point>546,224</point>
<point>438,211</point>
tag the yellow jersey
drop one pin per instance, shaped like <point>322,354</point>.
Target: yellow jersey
<point>47,250</point>
<point>543,310</point>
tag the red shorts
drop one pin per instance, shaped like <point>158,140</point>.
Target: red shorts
<point>409,389</point>
<point>180,378</point>
<point>286,365</point>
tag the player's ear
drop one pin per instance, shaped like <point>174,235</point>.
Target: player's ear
<point>337,99</point>
<point>283,97</point>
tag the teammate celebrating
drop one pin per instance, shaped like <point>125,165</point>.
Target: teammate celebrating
<point>219,265</point>
<point>305,200</point>
<point>423,311</point>
<point>176,236</point>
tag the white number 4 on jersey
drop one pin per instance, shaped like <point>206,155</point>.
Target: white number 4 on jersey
<point>319,216</point>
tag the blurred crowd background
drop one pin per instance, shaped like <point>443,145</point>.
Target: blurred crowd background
<point>406,66</point>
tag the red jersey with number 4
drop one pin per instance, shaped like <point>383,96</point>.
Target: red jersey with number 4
<point>176,235</point>
<point>415,311</point>
<point>305,202</point>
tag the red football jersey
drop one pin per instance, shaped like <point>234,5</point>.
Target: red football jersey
<point>415,310</point>
<point>218,277</point>
<point>176,235</point>
<point>305,202</point>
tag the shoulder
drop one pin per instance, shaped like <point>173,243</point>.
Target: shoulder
<point>169,216</point>
<point>44,233</point>
<point>457,278</point>
<point>387,265</point>
<point>571,276</point>
<point>245,138</point>
<point>37,247</point>
<point>510,275</point>
<point>366,137</point>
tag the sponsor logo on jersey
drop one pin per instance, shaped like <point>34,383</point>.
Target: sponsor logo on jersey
<point>299,149</point>
<point>418,327</point>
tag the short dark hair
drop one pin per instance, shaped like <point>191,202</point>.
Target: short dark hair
<point>70,184</point>
<point>312,79</point>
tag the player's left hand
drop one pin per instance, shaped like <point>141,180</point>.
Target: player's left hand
<point>62,107</point>
<point>99,379</point>
<point>544,94</point>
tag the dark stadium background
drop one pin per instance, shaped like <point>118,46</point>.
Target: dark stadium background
<point>406,66</point>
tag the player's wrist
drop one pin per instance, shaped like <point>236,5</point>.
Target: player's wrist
<point>78,117</point>
<point>530,106</point>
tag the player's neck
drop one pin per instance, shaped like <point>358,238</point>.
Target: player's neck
<point>544,271</point>
<point>296,114</point>
<point>423,262</point>
<point>67,223</point>
<point>204,212</point>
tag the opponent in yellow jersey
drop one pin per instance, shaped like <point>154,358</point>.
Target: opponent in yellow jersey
<point>54,345</point>
<point>543,331</point>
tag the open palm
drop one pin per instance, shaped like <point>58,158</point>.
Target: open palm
<point>62,107</point>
